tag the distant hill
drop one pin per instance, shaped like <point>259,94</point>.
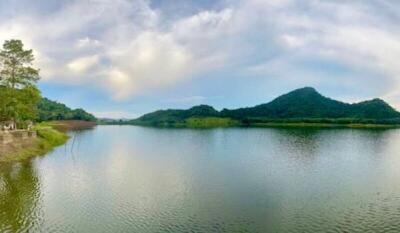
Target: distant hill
<point>308,103</point>
<point>51,110</point>
<point>301,105</point>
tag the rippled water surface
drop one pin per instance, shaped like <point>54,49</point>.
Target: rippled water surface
<point>134,179</point>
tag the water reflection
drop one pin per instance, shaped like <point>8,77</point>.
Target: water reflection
<point>19,198</point>
<point>134,179</point>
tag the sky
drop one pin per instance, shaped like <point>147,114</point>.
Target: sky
<point>124,58</point>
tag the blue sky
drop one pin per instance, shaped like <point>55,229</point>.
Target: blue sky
<point>123,58</point>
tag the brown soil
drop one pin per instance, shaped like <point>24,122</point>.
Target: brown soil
<point>72,125</point>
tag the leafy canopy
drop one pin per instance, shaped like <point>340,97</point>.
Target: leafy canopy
<point>19,95</point>
<point>50,110</point>
<point>16,69</point>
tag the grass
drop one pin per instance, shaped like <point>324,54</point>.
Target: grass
<point>210,122</point>
<point>47,139</point>
<point>193,122</point>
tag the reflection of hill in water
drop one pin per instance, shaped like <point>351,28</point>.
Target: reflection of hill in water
<point>307,143</point>
<point>19,197</point>
<point>140,179</point>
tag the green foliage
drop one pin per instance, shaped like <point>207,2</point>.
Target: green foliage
<point>303,105</point>
<point>51,136</point>
<point>18,93</point>
<point>27,99</point>
<point>173,117</point>
<point>16,65</point>
<point>19,104</point>
<point>208,122</point>
<point>51,110</point>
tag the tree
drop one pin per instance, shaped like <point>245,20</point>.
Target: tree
<point>16,65</point>
<point>52,110</point>
<point>27,100</point>
<point>19,95</point>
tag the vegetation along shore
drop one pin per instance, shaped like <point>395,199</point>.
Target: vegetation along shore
<point>30,124</point>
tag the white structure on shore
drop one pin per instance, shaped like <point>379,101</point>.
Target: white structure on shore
<point>8,125</point>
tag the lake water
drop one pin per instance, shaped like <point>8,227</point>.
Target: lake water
<point>137,179</point>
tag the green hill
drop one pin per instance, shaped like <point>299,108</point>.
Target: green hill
<point>308,103</point>
<point>51,110</point>
<point>303,105</point>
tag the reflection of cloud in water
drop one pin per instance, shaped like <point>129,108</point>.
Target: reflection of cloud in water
<point>153,180</point>
<point>20,198</point>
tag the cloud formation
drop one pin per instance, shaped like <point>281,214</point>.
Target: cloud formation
<point>130,48</point>
<point>118,45</point>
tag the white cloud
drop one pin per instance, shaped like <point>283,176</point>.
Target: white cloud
<point>205,24</point>
<point>150,61</point>
<point>127,48</point>
<point>137,54</point>
<point>292,41</point>
<point>354,34</point>
<point>83,64</point>
<point>87,43</point>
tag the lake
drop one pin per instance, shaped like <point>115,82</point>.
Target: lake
<point>138,179</point>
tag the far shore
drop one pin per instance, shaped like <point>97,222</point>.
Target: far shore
<point>269,125</point>
<point>324,125</point>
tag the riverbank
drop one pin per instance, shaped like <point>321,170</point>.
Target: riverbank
<point>47,139</point>
<point>49,136</point>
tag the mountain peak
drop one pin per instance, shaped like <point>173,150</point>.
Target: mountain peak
<point>376,101</point>
<point>305,93</point>
<point>202,106</point>
<point>202,110</point>
<point>305,90</point>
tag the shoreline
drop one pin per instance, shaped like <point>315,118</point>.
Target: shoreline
<point>324,125</point>
<point>277,125</point>
<point>49,136</point>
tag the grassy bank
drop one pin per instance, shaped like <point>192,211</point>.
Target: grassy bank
<point>47,139</point>
<point>209,122</point>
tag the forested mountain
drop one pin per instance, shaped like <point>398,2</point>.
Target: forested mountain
<point>173,115</point>
<point>308,103</point>
<point>52,110</point>
<point>301,105</point>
